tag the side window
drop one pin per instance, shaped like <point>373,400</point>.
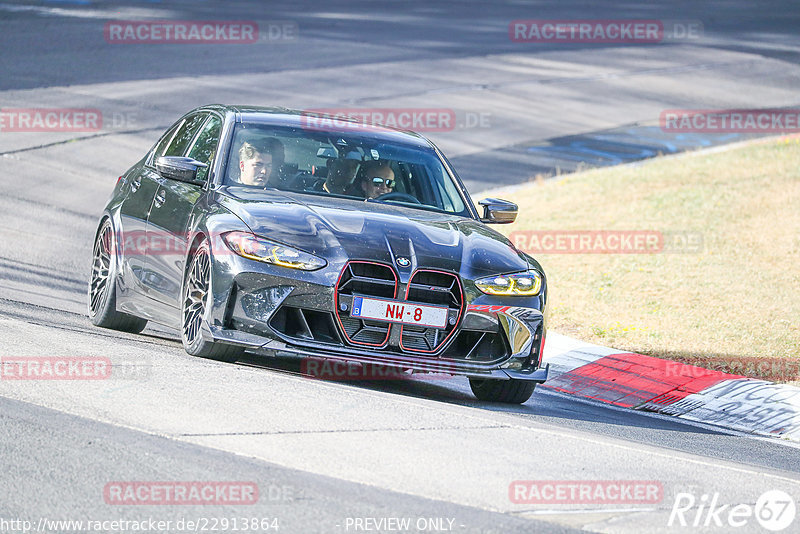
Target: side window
<point>205,146</point>
<point>164,141</point>
<point>184,135</point>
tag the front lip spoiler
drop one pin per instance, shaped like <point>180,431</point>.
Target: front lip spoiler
<point>270,347</point>
<point>538,375</point>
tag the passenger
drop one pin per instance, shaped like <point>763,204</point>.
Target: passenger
<point>341,172</point>
<point>377,179</point>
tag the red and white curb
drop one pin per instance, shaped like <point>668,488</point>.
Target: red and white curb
<point>645,383</point>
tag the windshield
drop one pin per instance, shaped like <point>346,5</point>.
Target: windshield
<point>346,166</point>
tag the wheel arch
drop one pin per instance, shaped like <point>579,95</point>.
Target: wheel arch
<point>118,250</point>
<point>198,237</point>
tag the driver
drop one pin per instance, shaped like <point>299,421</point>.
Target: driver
<point>260,161</point>
<point>377,180</point>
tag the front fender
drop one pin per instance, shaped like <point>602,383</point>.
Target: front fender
<point>210,224</point>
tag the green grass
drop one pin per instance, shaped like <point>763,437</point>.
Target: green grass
<point>737,299</point>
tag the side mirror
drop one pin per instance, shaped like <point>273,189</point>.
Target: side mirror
<point>498,211</point>
<point>180,168</point>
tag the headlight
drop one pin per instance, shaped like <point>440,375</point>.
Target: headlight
<point>257,248</point>
<point>525,284</point>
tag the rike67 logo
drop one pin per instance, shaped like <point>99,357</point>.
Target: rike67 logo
<point>774,510</point>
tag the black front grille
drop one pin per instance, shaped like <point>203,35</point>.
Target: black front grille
<point>367,279</point>
<point>421,339</point>
<point>438,288</point>
<point>365,331</point>
<point>433,287</point>
<point>373,279</point>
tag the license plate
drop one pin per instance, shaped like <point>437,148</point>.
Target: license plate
<point>399,312</point>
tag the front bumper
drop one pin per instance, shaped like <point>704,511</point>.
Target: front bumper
<point>278,348</point>
<point>246,303</point>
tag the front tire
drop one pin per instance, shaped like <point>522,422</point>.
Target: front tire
<point>196,295</point>
<point>508,391</point>
<point>102,293</point>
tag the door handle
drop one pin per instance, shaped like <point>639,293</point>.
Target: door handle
<point>160,198</point>
<point>136,183</point>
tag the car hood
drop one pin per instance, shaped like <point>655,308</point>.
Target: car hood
<point>340,229</point>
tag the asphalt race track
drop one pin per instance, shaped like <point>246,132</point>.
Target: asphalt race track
<point>333,456</point>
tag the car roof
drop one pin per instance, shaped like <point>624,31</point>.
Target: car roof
<point>278,116</point>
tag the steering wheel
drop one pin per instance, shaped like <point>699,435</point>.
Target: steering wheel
<point>305,181</point>
<point>397,195</point>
